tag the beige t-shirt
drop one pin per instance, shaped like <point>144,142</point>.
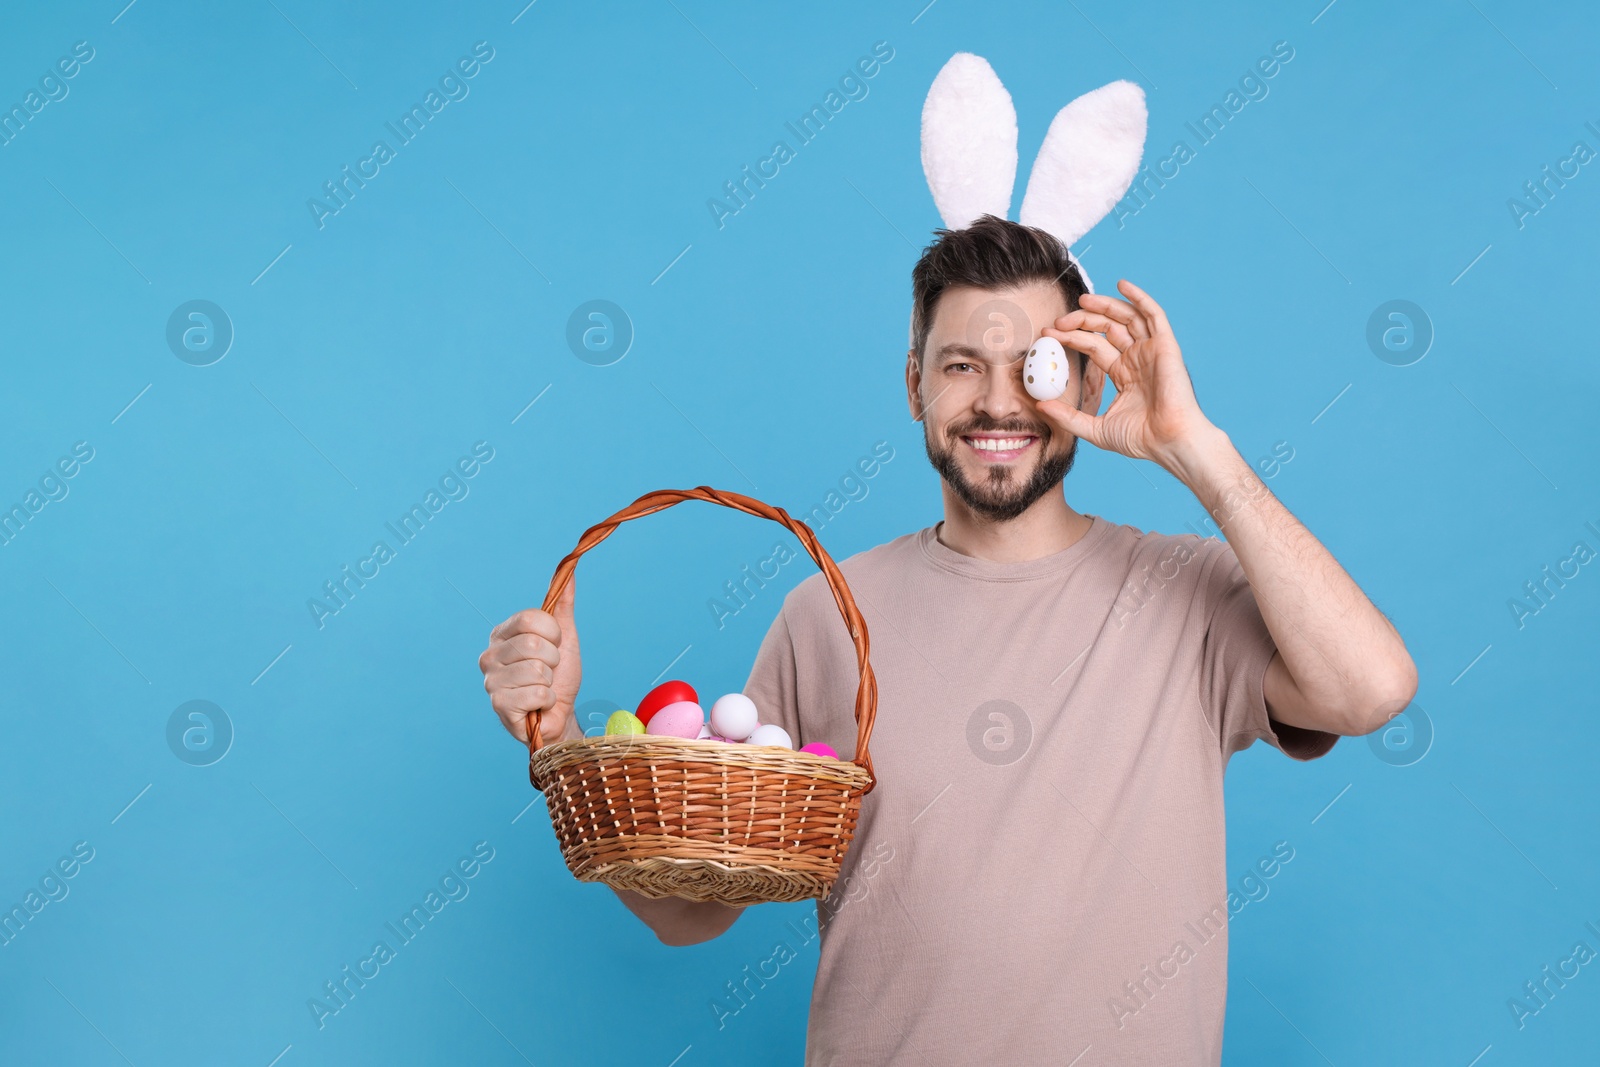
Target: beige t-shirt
<point>1039,873</point>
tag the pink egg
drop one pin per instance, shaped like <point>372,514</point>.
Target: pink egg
<point>820,749</point>
<point>681,719</point>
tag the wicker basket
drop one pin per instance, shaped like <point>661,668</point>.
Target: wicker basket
<point>699,819</point>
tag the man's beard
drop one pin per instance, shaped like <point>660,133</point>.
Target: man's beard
<point>998,497</point>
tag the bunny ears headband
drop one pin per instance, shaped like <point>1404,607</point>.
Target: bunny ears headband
<point>969,153</point>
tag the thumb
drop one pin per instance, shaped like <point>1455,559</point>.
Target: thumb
<point>564,616</point>
<point>563,605</point>
<point>1076,422</point>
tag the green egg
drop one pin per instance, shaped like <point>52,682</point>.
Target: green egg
<point>624,722</point>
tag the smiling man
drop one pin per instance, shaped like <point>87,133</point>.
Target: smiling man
<point>1046,836</point>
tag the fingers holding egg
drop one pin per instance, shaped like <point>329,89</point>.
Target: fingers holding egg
<point>1101,352</point>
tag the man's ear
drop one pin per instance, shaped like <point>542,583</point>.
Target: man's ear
<point>914,384</point>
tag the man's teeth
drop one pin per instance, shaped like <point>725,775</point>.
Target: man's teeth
<point>999,444</point>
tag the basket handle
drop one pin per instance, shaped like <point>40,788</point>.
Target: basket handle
<point>660,500</point>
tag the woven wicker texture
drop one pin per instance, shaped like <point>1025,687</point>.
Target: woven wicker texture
<point>707,820</point>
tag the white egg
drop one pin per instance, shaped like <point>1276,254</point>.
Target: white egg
<point>1044,370</point>
<point>771,734</point>
<point>735,716</point>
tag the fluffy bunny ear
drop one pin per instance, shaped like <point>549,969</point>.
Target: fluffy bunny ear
<point>1088,286</point>
<point>969,141</point>
<point>1087,161</point>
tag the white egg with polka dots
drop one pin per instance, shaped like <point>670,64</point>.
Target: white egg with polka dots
<point>1044,370</point>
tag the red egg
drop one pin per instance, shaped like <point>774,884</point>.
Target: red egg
<point>666,693</point>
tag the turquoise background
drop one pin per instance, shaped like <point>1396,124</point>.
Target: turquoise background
<point>425,316</point>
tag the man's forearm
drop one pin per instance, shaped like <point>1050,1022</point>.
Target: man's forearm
<point>677,921</point>
<point>1345,658</point>
<point>674,920</point>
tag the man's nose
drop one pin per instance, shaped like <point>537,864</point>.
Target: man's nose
<point>1002,390</point>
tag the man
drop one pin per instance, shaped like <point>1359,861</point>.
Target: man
<point>1039,872</point>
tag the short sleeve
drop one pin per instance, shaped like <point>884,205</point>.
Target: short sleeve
<point>773,683</point>
<point>1233,666</point>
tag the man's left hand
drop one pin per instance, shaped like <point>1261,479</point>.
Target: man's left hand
<point>1155,415</point>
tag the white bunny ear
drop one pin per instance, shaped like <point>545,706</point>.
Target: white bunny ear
<point>969,141</point>
<point>1087,161</point>
<point>1088,286</point>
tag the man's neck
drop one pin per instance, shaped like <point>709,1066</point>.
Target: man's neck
<point>1048,526</point>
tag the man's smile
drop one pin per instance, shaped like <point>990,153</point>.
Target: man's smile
<point>999,447</point>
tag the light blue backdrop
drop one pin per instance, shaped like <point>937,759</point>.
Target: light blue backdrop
<point>372,352</point>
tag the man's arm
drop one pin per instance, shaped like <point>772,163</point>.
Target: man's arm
<point>675,921</point>
<point>1340,666</point>
<point>773,686</point>
<point>533,664</point>
<point>680,922</point>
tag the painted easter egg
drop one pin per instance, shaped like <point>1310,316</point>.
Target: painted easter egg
<point>820,749</point>
<point>734,715</point>
<point>705,734</point>
<point>1044,370</point>
<point>666,693</point>
<point>770,734</point>
<point>682,718</point>
<point>624,722</point>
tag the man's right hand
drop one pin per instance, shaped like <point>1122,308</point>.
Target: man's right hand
<point>532,664</point>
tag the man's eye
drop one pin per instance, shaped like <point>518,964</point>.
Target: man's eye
<point>959,366</point>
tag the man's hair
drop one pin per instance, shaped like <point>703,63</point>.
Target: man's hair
<point>992,253</point>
